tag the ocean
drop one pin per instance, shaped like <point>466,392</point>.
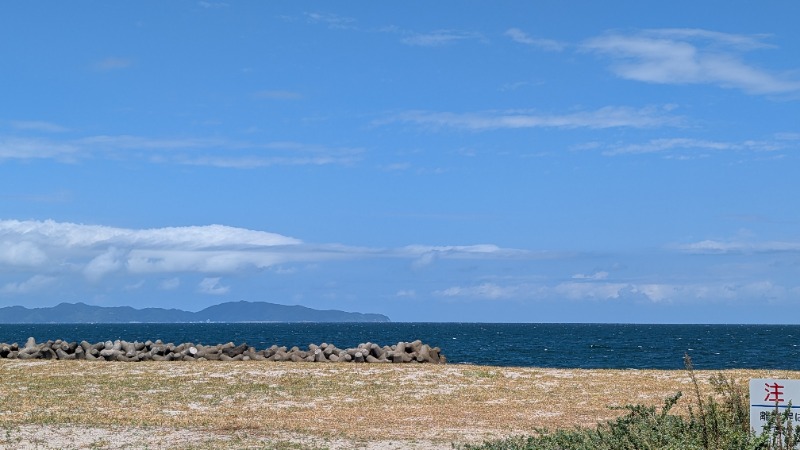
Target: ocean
<point>589,346</point>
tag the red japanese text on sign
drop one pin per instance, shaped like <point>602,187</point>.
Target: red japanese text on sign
<point>774,392</point>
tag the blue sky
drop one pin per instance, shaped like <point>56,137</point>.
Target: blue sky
<point>445,161</point>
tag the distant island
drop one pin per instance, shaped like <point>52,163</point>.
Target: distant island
<point>241,311</point>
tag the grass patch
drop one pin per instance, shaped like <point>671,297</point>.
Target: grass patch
<point>251,404</point>
<point>714,422</point>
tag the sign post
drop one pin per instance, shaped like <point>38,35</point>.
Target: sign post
<point>766,394</point>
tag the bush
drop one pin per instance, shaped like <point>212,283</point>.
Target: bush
<point>718,422</point>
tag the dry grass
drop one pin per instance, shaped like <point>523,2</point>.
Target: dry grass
<point>358,403</point>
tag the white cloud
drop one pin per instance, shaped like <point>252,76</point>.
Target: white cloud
<point>716,246</point>
<point>694,147</point>
<point>255,162</point>
<point>589,291</point>
<point>747,291</point>
<point>661,145</point>
<point>425,259</point>
<point>689,56</point>
<point>35,125</point>
<point>35,148</point>
<point>788,136</point>
<point>170,284</point>
<point>186,151</point>
<point>658,292</point>
<point>445,250</point>
<point>506,87</point>
<point>396,167</point>
<point>128,142</point>
<point>193,237</point>
<point>489,291</point>
<point>33,284</point>
<point>61,196</point>
<point>600,275</point>
<point>521,37</point>
<point>607,117</point>
<point>604,291</point>
<point>134,286</point>
<point>333,21</point>
<point>437,38</point>
<point>21,253</point>
<point>281,270</point>
<point>212,286</point>
<point>97,251</point>
<point>737,41</point>
<point>109,261</point>
<point>206,261</point>
<point>426,255</point>
<point>406,293</point>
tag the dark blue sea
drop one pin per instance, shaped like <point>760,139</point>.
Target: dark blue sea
<point>613,346</point>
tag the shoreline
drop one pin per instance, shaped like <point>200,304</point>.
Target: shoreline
<point>315,404</point>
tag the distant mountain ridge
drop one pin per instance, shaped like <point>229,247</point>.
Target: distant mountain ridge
<point>241,311</point>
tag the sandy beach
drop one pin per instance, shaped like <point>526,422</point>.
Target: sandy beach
<point>78,404</point>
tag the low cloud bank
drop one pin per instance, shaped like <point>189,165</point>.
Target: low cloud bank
<point>49,249</point>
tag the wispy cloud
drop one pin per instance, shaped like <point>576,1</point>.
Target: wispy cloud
<point>425,255</point>
<point>333,21</point>
<point>509,87</point>
<point>607,117</point>
<point>661,145</point>
<point>521,37</point>
<point>145,143</point>
<point>170,284</point>
<point>37,125</point>
<point>37,148</point>
<point>462,251</point>
<point>255,162</point>
<point>711,291</point>
<point>215,152</point>
<point>711,246</point>
<point>212,286</point>
<point>54,197</point>
<point>599,275</point>
<point>438,38</point>
<point>677,145</point>
<point>134,286</point>
<point>33,284</point>
<point>396,167</point>
<point>713,38</point>
<point>690,56</point>
<point>483,291</point>
<point>788,136</point>
<point>109,64</point>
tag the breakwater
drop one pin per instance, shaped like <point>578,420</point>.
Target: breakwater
<point>119,350</point>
